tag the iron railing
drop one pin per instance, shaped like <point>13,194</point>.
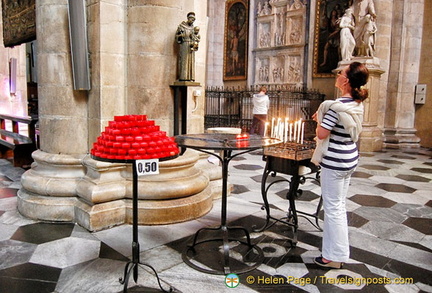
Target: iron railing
<point>232,107</point>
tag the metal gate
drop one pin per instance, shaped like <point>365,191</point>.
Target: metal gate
<point>232,107</point>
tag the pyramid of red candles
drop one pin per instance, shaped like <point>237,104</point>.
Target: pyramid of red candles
<point>133,137</point>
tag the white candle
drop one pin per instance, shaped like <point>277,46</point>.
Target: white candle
<point>272,127</point>
<point>278,127</point>
<point>299,130</point>
<point>302,133</point>
<point>265,128</point>
<point>286,130</point>
<point>290,131</point>
<point>295,131</point>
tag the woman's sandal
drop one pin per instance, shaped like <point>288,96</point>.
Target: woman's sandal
<point>333,264</point>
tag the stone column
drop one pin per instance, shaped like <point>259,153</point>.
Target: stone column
<point>49,188</point>
<point>107,97</point>
<point>132,62</point>
<point>399,130</point>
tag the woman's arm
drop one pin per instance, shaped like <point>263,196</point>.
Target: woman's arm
<point>321,132</point>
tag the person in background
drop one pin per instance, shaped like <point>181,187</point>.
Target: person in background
<point>261,105</point>
<point>338,129</point>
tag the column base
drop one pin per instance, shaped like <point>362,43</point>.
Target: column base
<point>46,208</point>
<point>101,198</point>
<point>371,139</point>
<point>401,138</point>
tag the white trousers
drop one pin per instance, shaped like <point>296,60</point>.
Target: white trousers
<point>334,189</point>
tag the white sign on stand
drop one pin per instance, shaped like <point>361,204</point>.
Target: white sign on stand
<point>147,167</point>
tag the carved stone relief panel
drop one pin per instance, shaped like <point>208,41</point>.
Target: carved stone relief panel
<point>264,35</point>
<point>295,65</point>
<point>280,40</point>
<point>278,69</point>
<point>295,27</point>
<point>280,34</point>
<point>263,69</point>
<point>297,4</point>
<point>264,8</point>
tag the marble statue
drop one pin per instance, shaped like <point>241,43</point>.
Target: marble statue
<point>368,40</point>
<point>364,31</point>
<point>188,37</point>
<point>347,41</point>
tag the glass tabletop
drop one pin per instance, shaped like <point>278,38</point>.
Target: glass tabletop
<point>221,141</point>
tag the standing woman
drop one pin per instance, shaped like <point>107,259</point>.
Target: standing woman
<point>339,127</point>
<point>261,105</point>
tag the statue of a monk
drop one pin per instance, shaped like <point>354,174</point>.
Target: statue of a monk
<point>188,37</point>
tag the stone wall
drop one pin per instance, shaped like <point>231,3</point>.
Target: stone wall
<point>12,104</point>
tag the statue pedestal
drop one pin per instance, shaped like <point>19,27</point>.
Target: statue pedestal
<point>371,138</point>
<point>188,113</point>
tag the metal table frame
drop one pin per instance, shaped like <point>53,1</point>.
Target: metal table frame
<point>225,144</point>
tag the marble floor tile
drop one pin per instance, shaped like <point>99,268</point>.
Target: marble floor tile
<point>65,252</point>
<point>389,208</point>
<point>14,253</point>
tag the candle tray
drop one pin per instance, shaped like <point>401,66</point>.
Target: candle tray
<point>292,150</point>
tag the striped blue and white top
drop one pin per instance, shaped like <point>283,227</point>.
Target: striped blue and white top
<point>342,153</point>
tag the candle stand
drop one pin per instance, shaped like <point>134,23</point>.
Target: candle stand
<point>132,265</point>
<point>290,159</point>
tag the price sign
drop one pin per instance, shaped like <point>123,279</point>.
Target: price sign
<point>147,167</point>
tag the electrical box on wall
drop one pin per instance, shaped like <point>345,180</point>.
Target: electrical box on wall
<point>420,94</point>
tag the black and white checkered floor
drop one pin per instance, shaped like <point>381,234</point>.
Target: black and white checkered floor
<point>390,218</point>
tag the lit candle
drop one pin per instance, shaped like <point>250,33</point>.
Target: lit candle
<point>299,130</point>
<point>272,127</point>
<point>265,128</point>
<point>290,131</point>
<point>286,129</point>
<point>302,133</point>
<point>277,134</point>
<point>281,131</point>
<point>295,131</point>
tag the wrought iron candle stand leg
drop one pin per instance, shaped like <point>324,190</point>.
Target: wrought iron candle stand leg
<point>305,215</point>
<point>293,193</point>
<point>135,262</point>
